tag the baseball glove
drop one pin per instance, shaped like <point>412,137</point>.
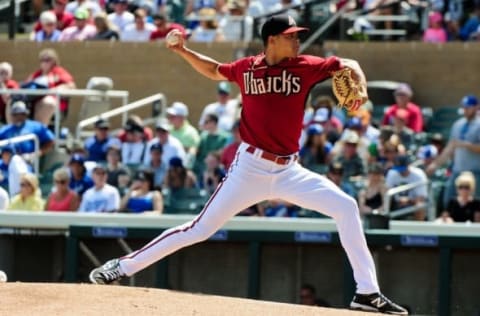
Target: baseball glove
<point>349,92</point>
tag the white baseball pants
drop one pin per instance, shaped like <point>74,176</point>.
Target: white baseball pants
<point>250,180</point>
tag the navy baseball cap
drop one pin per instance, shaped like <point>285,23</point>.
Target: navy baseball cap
<point>156,147</point>
<point>469,101</point>
<point>7,149</point>
<point>315,129</point>
<point>280,24</point>
<point>77,158</point>
<point>401,163</point>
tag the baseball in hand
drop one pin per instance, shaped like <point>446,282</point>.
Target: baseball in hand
<point>173,38</point>
<point>3,276</point>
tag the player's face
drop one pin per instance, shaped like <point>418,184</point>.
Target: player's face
<point>287,45</point>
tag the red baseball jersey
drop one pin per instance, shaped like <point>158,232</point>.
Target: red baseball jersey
<point>273,97</point>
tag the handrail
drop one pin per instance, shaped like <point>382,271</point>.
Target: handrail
<point>402,188</point>
<point>68,93</point>
<point>123,110</point>
<point>23,138</point>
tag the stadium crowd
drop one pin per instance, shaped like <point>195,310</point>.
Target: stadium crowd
<point>174,166</point>
<point>234,20</point>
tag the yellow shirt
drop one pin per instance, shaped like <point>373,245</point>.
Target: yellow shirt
<point>32,203</point>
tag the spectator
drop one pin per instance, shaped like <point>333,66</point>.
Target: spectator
<point>12,167</point>
<point>29,198</point>
<point>349,158</point>
<point>315,154</point>
<point>278,208</point>
<point>372,196</point>
<point>403,95</point>
<point>322,113</point>
<point>139,31</point>
<point>164,26</point>
<point>171,146</point>
<point>353,126</point>
<point>48,31</point>
<point>158,166</point>
<point>89,5</point>
<point>6,82</point>
<point>4,199</point>
<point>136,120</point>
<point>105,29</point>
<point>81,30</point>
<point>464,206</point>
<point>62,199</point>
<point>230,151</point>
<point>427,154</point>
<point>64,19</point>
<point>177,115</point>
<point>214,172</point>
<point>114,167</point>
<point>404,133</point>
<point>102,197</point>
<point>335,174</point>
<point>179,177</point>
<point>98,144</point>
<point>212,139</point>
<point>308,296</point>
<point>142,196</point>
<point>133,149</point>
<point>471,25</point>
<point>368,131</point>
<point>463,148</point>
<point>402,174</point>
<point>208,30</point>
<point>79,180</point>
<point>225,108</point>
<point>51,76</point>
<point>236,25</point>
<point>435,33</point>
<point>120,16</point>
<point>23,126</point>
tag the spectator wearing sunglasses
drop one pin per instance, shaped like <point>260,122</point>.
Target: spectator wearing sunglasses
<point>62,199</point>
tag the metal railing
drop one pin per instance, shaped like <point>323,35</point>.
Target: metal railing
<point>123,95</point>
<point>156,99</point>
<point>410,209</point>
<point>24,138</point>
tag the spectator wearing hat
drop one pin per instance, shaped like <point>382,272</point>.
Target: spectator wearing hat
<point>372,196</point>
<point>138,121</point>
<point>49,31</point>
<point>229,152</point>
<point>29,198</point>
<point>316,153</point>
<point>211,139</point>
<point>106,30</point>
<point>463,147</point>
<point>207,30</point>
<point>164,26</point>
<point>6,82</point>
<point>157,165</point>
<point>353,126</point>
<point>102,197</point>
<point>12,167</point>
<point>92,6</point>
<point>62,198</point>
<point>171,146</point>
<point>79,180</point>
<point>133,148</point>
<point>237,26</point>
<point>323,111</point>
<point>225,108</point>
<point>435,33</point>
<point>403,173</point>
<point>97,145</point>
<point>403,95</point>
<point>21,125</point>
<point>142,196</point>
<point>138,31</point>
<point>50,75</point>
<point>64,19</point>
<point>349,158</point>
<point>426,154</point>
<point>335,174</point>
<point>120,16</point>
<point>115,168</point>
<point>177,115</point>
<point>81,30</point>
<point>178,177</point>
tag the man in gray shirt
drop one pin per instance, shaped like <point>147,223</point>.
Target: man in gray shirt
<point>463,147</point>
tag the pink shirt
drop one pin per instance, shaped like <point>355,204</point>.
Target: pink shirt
<point>432,35</point>
<point>414,119</point>
<point>73,33</point>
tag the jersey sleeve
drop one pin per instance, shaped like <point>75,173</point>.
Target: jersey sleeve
<point>233,71</point>
<point>324,67</point>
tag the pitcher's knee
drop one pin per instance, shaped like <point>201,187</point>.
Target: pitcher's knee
<point>200,233</point>
<point>347,206</point>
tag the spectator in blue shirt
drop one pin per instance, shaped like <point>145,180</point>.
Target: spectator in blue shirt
<point>471,25</point>
<point>21,125</point>
<point>97,145</point>
<point>79,181</point>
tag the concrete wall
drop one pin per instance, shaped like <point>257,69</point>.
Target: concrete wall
<point>439,74</point>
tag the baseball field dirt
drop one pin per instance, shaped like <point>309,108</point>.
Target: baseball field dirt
<point>41,299</point>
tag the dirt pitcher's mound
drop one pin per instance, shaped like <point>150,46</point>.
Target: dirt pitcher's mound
<point>41,299</point>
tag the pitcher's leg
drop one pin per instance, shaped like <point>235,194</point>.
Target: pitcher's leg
<point>313,191</point>
<point>232,196</point>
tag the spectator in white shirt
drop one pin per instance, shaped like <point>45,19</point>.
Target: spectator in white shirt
<point>236,26</point>
<point>120,16</point>
<point>171,146</point>
<point>140,30</point>
<point>15,166</point>
<point>224,108</point>
<point>102,197</point>
<point>133,148</point>
<point>92,6</point>
<point>4,199</point>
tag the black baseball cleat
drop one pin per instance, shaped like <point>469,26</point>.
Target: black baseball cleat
<point>376,302</point>
<point>108,273</point>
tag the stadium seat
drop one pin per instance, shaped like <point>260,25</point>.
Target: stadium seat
<point>442,120</point>
<point>184,201</point>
